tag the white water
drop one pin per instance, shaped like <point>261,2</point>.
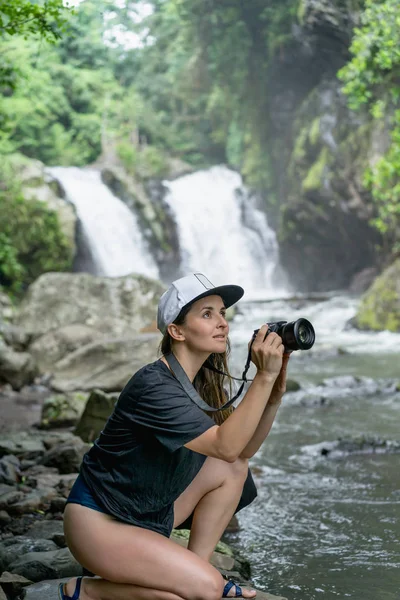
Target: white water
<point>220,230</point>
<point>111,229</point>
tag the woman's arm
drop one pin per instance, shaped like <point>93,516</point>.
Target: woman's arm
<point>269,413</point>
<point>228,440</point>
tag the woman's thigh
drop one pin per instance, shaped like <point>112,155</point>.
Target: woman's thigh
<point>124,553</point>
<point>213,474</point>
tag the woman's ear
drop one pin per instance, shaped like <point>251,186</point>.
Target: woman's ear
<point>176,332</point>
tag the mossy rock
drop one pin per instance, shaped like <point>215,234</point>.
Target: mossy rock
<point>380,306</point>
<point>220,547</point>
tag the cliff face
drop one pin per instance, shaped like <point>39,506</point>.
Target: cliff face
<point>320,150</point>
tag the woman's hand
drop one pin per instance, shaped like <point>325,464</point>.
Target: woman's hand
<point>267,352</point>
<point>280,383</point>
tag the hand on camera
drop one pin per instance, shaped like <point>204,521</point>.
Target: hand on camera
<point>267,352</point>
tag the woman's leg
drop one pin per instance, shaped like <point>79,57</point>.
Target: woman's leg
<point>213,495</point>
<point>134,563</point>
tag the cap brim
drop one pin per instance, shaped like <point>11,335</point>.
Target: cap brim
<point>230,294</point>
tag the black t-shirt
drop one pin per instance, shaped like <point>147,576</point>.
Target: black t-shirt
<point>138,466</point>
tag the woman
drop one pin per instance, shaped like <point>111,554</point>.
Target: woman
<point>160,459</point>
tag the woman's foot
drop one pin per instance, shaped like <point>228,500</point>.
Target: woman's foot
<point>232,589</point>
<point>73,588</point>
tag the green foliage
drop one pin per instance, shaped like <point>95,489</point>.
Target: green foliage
<point>43,18</point>
<point>372,80</point>
<point>31,241</point>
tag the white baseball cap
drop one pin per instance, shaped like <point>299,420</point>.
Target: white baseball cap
<point>187,290</point>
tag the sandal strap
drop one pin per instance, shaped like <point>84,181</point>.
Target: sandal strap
<point>227,588</point>
<point>76,593</point>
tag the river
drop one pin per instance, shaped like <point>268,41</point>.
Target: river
<point>326,526</point>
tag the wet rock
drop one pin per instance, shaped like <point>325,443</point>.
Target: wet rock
<point>12,549</point>
<point>4,518</point>
<point>380,306</point>
<point>107,365</point>
<point>36,500</point>
<point>357,445</point>
<point>98,408</point>
<point>67,456</point>
<point>292,385</point>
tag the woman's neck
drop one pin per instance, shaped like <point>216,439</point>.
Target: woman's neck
<point>190,362</point>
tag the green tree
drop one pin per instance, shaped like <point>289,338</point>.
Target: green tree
<point>372,80</point>
<point>43,18</point>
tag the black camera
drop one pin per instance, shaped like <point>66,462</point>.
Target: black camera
<point>296,335</point>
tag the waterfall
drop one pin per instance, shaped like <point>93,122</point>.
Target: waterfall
<point>221,231</point>
<point>110,228</point>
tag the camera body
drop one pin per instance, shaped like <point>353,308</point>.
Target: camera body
<point>296,335</point>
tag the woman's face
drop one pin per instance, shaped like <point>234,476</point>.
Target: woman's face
<point>205,328</point>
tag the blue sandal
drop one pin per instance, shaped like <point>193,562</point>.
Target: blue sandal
<point>229,585</point>
<point>76,593</point>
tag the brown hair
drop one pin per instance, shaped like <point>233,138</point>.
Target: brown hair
<point>208,384</point>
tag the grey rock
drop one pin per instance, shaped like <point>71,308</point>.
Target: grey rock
<point>98,408</point>
<point>9,469</point>
<point>21,444</point>
<point>16,368</point>
<point>107,365</point>
<point>63,410</point>
<point>11,550</point>
<point>117,306</point>
<point>34,501</point>
<point>67,456</point>
<point>37,566</point>
<point>13,584</point>
<point>48,530</point>
<point>54,345</point>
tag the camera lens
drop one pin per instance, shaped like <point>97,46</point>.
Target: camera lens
<point>297,335</point>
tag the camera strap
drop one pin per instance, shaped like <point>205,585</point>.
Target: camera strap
<point>180,375</point>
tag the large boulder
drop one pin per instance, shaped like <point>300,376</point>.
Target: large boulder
<point>97,410</point>
<point>54,345</point>
<point>112,306</point>
<point>380,306</point>
<point>107,365</point>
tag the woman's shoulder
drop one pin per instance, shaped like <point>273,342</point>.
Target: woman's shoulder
<point>151,375</point>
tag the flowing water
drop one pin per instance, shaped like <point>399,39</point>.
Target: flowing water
<point>221,231</point>
<point>326,526</point>
<point>110,228</point>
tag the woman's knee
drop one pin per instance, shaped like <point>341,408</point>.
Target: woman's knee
<point>211,587</point>
<point>239,468</point>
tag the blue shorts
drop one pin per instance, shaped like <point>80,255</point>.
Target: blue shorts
<point>81,494</point>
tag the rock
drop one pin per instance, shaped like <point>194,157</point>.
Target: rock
<point>63,410</point>
<point>380,306</point>
<point>67,456</point>
<point>14,336</point>
<point>35,501</point>
<point>39,185</point>
<point>37,566</point>
<point>16,368</point>
<point>11,549</point>
<point>9,469</point>
<point>54,345</point>
<point>21,444</point>
<point>48,530</point>
<point>107,365</point>
<point>4,518</point>
<point>13,584</point>
<point>292,385</point>
<point>363,280</point>
<point>156,220</point>
<point>117,306</point>
<point>98,408</point>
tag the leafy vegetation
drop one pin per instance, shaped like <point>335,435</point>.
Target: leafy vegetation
<point>372,80</point>
<point>31,241</point>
